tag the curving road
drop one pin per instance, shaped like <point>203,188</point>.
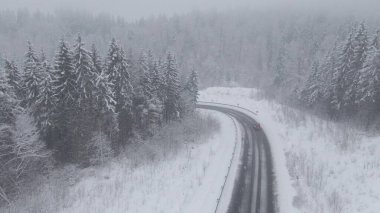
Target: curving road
<point>253,188</point>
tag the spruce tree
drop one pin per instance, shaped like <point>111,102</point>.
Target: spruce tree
<point>157,87</point>
<point>102,92</point>
<point>189,95</point>
<point>103,95</point>
<point>104,105</point>
<point>64,78</point>
<point>143,93</point>
<point>360,52</point>
<point>45,66</point>
<point>342,77</point>
<point>5,88</point>
<point>192,87</point>
<point>158,80</point>
<point>375,44</point>
<point>145,81</point>
<point>96,60</point>
<point>117,70</point>
<point>32,76</point>
<point>13,78</point>
<point>65,111</point>
<point>44,106</point>
<point>327,69</point>
<point>361,47</point>
<point>172,89</point>
<point>85,73</point>
<point>369,79</point>
<point>313,91</point>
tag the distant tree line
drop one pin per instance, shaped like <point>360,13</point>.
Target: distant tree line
<point>84,107</point>
<point>346,83</point>
<point>279,53</point>
<point>237,47</point>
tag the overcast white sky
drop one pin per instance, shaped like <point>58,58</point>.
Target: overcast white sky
<point>132,9</point>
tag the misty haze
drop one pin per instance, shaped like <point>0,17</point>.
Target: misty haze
<point>177,106</point>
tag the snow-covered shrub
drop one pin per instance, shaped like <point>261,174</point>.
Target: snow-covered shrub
<point>23,154</point>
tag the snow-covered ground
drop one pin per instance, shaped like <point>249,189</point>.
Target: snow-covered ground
<point>320,166</point>
<point>189,180</point>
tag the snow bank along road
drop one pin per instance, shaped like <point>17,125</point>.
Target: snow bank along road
<point>253,188</point>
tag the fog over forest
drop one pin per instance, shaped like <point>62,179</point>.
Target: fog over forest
<point>250,46</point>
<point>132,10</point>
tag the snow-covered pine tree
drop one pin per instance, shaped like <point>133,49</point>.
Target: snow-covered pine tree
<point>96,60</point>
<point>326,69</point>
<point>45,101</point>
<point>65,91</point>
<point>5,88</point>
<point>44,106</point>
<point>45,65</point>
<point>313,90</point>
<point>157,77</point>
<point>102,111</point>
<point>369,92</point>
<point>130,60</point>
<point>351,77</point>
<point>143,93</point>
<point>32,76</point>
<point>369,80</point>
<point>157,85</point>
<point>89,118</point>
<point>172,89</point>
<point>361,47</point>
<point>103,94</point>
<point>117,70</point>
<point>192,87</point>
<point>85,73</point>
<point>145,81</point>
<point>375,44</point>
<point>64,78</point>
<point>13,78</point>
<point>342,76</point>
<point>189,94</point>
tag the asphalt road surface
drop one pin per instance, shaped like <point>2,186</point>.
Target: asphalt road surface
<point>253,187</point>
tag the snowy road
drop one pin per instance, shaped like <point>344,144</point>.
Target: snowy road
<point>253,188</point>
